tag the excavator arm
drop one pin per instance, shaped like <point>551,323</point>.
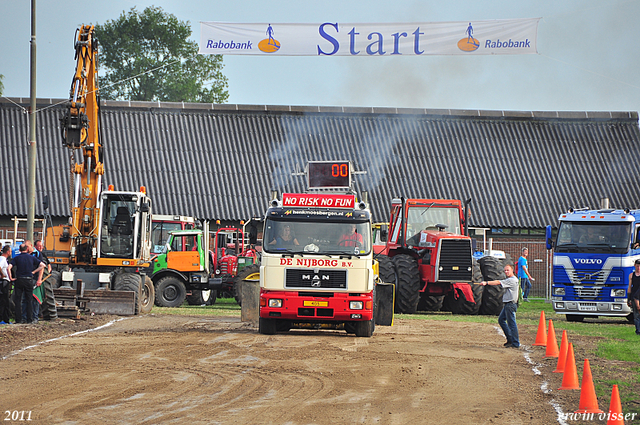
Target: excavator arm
<point>80,132</point>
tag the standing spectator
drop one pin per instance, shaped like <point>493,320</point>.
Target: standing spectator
<point>523,274</point>
<point>39,249</point>
<point>25,267</point>
<point>5,286</point>
<point>633,295</point>
<point>507,318</point>
<point>36,297</point>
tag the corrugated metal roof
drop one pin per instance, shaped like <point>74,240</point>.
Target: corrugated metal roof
<point>521,169</point>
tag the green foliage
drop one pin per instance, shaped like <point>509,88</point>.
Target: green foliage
<point>1,85</point>
<point>148,57</point>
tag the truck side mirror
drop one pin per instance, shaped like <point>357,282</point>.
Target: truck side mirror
<point>144,207</point>
<point>384,232</point>
<point>548,238</point>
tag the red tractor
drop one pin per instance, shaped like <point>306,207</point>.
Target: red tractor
<point>233,260</point>
<point>428,255</point>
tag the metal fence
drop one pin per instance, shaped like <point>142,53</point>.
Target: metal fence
<point>539,259</point>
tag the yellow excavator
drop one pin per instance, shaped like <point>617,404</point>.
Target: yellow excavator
<point>99,256</point>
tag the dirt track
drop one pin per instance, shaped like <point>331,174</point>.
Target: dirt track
<point>177,369</point>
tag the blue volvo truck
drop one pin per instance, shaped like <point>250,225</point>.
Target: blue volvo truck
<point>594,252</point>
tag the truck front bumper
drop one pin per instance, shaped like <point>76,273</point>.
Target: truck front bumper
<point>591,308</point>
<point>320,307</point>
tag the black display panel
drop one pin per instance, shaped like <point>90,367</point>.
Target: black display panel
<point>329,174</point>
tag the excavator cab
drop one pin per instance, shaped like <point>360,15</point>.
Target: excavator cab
<point>125,225</point>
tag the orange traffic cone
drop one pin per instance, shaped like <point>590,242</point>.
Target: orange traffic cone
<point>588,399</point>
<point>562,357</point>
<point>541,337</point>
<point>615,408</point>
<point>552,342</point>
<point>570,377</point>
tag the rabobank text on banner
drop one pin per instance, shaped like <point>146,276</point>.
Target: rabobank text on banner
<point>495,37</point>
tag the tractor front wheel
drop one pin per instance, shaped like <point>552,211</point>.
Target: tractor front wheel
<point>170,292</point>
<point>408,283</point>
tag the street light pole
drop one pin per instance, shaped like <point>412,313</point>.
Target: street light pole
<point>31,193</point>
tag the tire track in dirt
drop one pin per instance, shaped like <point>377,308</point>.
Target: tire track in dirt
<point>201,370</point>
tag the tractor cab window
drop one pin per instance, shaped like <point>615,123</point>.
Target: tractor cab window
<point>350,238</point>
<point>160,234</point>
<point>430,218</point>
<point>118,228</point>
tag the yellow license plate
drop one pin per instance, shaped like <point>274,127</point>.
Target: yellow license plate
<point>316,303</point>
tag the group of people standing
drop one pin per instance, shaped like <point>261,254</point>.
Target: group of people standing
<point>22,273</point>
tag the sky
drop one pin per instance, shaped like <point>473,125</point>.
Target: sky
<point>588,54</point>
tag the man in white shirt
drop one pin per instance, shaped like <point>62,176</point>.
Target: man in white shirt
<point>5,286</point>
<point>507,318</point>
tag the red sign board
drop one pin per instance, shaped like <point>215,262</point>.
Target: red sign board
<point>317,200</point>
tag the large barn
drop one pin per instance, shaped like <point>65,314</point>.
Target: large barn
<point>521,169</point>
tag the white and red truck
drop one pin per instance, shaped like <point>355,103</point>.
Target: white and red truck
<point>317,267</point>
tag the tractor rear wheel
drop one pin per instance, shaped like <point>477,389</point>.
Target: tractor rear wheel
<point>492,269</point>
<point>49,311</point>
<point>408,283</point>
<point>148,296</point>
<point>170,292</point>
<point>249,273</point>
<point>386,270</point>
<point>129,282</point>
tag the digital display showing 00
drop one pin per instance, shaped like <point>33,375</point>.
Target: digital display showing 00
<point>330,174</point>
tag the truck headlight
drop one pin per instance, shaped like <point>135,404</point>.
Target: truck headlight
<point>355,305</point>
<point>275,303</point>
<point>558,291</point>
<point>618,292</point>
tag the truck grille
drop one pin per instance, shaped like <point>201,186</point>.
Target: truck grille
<point>588,293</point>
<point>309,278</point>
<point>592,277</point>
<point>455,260</point>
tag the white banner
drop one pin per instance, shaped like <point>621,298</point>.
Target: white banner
<point>496,37</point>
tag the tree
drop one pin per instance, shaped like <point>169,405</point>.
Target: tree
<point>1,85</point>
<point>148,57</point>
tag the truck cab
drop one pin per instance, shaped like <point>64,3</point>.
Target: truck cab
<point>594,252</point>
<point>317,267</point>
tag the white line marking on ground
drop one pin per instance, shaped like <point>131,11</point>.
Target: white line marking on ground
<point>62,337</point>
<point>545,387</point>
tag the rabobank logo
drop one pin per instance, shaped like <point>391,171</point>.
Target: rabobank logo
<point>269,44</point>
<point>471,44</point>
<point>468,44</point>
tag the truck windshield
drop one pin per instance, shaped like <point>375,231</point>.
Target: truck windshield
<point>428,217</point>
<point>350,238</point>
<point>596,237</point>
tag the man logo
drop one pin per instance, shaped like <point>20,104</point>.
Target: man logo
<point>270,44</point>
<point>468,44</point>
<point>315,283</point>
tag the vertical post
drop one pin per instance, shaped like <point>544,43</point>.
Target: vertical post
<point>31,192</point>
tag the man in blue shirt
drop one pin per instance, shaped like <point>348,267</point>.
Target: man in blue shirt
<point>25,266</point>
<point>523,274</point>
